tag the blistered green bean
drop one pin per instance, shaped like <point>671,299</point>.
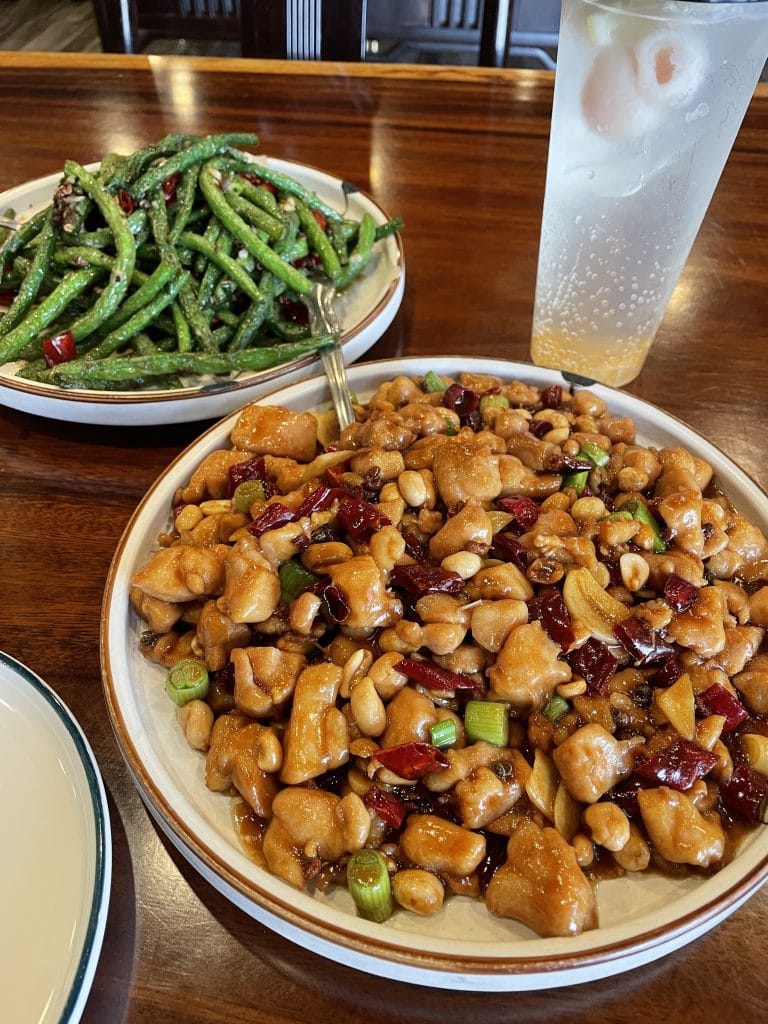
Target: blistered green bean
<point>130,367</point>
<point>33,280</point>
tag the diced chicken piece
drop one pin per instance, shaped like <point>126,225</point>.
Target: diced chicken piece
<point>253,756</point>
<point>310,824</point>
<point>252,587</point>
<point>681,469</point>
<point>741,645</point>
<point>363,585</point>
<point>399,391</point>
<point>317,738</point>
<point>680,833</point>
<point>181,573</point>
<point>469,530</point>
<point>439,845</point>
<point>211,478</point>
<point>518,479</point>
<point>528,668</point>
<point>218,762</point>
<point>542,456</point>
<point>682,564</point>
<point>265,678</point>
<point>758,607</point>
<point>542,885</point>
<point>426,421</point>
<point>701,628</point>
<point>485,796</point>
<point>591,761</point>
<point>746,539</point>
<point>501,581</point>
<point>386,430</point>
<point>218,635</point>
<point>752,684</point>
<point>465,762</point>
<point>274,430</point>
<point>159,615</point>
<point>681,512</point>
<point>409,716</point>
<point>465,472</point>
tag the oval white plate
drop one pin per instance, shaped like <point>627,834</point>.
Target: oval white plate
<point>463,947</point>
<point>55,855</point>
<point>365,311</point>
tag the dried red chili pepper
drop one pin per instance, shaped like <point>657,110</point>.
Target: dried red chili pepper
<point>169,188</point>
<point>59,349</point>
<point>678,765</point>
<point>539,428</point>
<point>388,807</point>
<point>433,676</point>
<point>679,593</point>
<point>335,604</point>
<point>464,402</point>
<point>253,469</point>
<point>524,512</point>
<point>645,645</point>
<point>256,180</point>
<point>126,202</point>
<point>505,545</point>
<point>716,700</point>
<point>668,673</point>
<point>423,579</point>
<point>319,500</point>
<point>412,760</point>
<point>594,662</point>
<point>549,608</point>
<point>745,794</point>
<point>294,310</point>
<point>360,519</point>
<point>321,219</point>
<point>552,397</point>
<point>271,518</point>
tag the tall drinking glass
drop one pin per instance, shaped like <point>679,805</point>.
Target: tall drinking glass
<point>649,96</point>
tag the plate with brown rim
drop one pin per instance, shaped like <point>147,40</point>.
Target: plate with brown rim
<point>365,311</point>
<point>642,917</point>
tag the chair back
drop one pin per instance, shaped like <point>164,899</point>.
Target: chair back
<point>304,29</point>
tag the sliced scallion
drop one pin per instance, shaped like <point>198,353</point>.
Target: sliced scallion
<point>578,480</point>
<point>556,708</point>
<point>246,493</point>
<point>597,456</point>
<point>186,681</point>
<point>487,720</point>
<point>369,885</point>
<point>294,580</point>
<point>640,512</point>
<point>443,734</point>
<point>434,383</point>
<point>493,402</point>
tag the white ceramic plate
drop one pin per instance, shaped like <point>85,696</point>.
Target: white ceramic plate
<point>463,947</point>
<point>55,855</point>
<point>365,311</point>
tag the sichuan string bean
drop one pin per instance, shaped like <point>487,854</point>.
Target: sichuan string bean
<point>185,257</point>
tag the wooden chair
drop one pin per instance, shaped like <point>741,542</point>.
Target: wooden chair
<point>304,29</point>
<point>513,29</point>
<point>127,26</point>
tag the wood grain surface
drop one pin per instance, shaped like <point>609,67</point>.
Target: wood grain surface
<point>460,154</point>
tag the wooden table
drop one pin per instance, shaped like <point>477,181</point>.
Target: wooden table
<point>460,153</point>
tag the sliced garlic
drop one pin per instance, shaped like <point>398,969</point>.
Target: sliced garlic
<point>591,607</point>
<point>677,704</point>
